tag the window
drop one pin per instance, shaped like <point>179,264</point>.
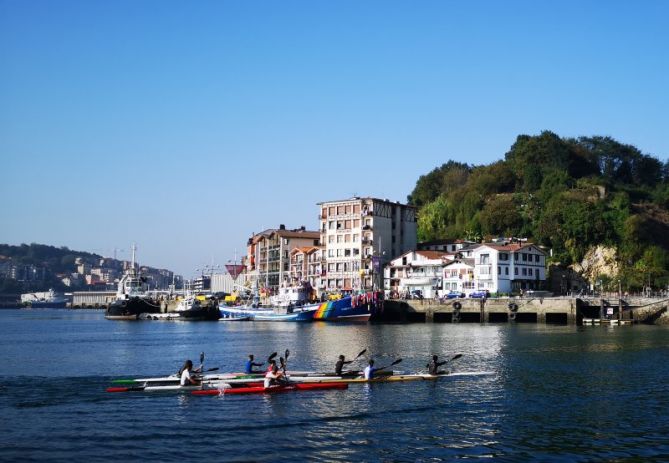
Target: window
<point>356,208</point>
<point>503,256</point>
<point>330,252</point>
<point>347,253</point>
<point>529,272</point>
<point>537,258</point>
<point>331,267</point>
<point>324,212</point>
<point>355,238</point>
<point>332,210</point>
<point>340,252</point>
<point>515,257</point>
<point>506,270</point>
<point>340,267</point>
<point>331,224</point>
<point>340,238</point>
<point>524,271</point>
<point>331,239</point>
<point>515,271</point>
<point>340,224</point>
<point>524,257</point>
<point>347,224</point>
<point>356,251</point>
<point>340,210</point>
<point>348,209</point>
<point>347,238</point>
<point>484,259</point>
<point>499,270</point>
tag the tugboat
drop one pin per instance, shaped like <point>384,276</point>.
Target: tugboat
<point>132,297</point>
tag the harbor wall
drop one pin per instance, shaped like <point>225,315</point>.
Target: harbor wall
<point>551,310</point>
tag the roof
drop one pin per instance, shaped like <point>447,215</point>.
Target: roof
<point>432,255</point>
<point>306,249</point>
<point>511,247</point>
<point>298,234</point>
<point>468,261</point>
<point>366,198</point>
<point>442,241</point>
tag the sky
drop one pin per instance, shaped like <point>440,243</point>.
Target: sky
<point>185,127</point>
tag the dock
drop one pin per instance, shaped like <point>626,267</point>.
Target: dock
<point>548,310</point>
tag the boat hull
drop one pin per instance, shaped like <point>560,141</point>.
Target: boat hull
<point>348,309</point>
<point>272,389</point>
<point>302,314</point>
<point>48,305</point>
<point>130,309</point>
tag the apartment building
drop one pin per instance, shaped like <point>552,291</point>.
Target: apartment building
<point>506,267</point>
<point>415,270</point>
<point>306,265</point>
<point>360,235</point>
<point>269,254</point>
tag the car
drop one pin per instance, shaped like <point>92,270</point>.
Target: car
<point>479,294</point>
<point>416,294</point>
<point>454,294</point>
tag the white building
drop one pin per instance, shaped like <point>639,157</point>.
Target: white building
<point>360,235</point>
<point>497,268</point>
<point>415,270</point>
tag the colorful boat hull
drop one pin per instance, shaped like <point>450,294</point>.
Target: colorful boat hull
<point>357,308</point>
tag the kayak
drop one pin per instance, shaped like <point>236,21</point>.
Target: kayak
<point>248,377</point>
<point>272,389</point>
<point>166,387</point>
<point>381,379</point>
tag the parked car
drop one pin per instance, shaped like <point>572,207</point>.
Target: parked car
<point>416,294</point>
<point>454,294</point>
<point>480,294</point>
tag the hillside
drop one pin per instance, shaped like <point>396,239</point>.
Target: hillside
<point>568,194</point>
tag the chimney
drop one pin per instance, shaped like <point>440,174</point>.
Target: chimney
<point>282,227</point>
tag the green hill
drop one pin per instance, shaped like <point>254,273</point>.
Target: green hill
<point>569,194</point>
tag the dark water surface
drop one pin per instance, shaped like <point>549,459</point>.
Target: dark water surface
<point>555,393</point>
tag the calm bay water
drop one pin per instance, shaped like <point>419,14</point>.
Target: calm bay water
<point>553,393</point>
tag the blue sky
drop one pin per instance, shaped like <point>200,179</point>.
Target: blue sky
<point>187,126</point>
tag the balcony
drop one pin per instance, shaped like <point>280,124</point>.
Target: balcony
<point>367,241</point>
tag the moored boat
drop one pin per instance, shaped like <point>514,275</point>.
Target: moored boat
<point>357,308</point>
<point>132,296</point>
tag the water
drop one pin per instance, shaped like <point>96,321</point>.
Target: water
<point>555,393</point>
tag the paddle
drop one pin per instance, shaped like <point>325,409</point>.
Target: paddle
<point>388,366</point>
<point>362,352</point>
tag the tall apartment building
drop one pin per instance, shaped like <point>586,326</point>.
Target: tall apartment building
<point>269,254</point>
<point>360,236</point>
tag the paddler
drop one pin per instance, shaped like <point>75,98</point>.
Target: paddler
<point>273,377</point>
<point>248,368</point>
<point>370,370</point>
<point>433,366</point>
<point>272,364</point>
<point>340,364</point>
<point>186,374</point>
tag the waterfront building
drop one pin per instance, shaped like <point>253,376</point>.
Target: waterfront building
<point>498,267</point>
<point>269,254</point>
<point>360,235</point>
<point>306,265</point>
<point>415,271</point>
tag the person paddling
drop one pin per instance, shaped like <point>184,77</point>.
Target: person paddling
<point>273,377</point>
<point>186,374</point>
<point>340,364</point>
<point>433,366</point>
<point>370,370</point>
<point>272,364</point>
<point>248,368</point>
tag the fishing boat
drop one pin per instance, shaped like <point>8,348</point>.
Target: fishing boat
<point>358,308</point>
<point>132,296</point>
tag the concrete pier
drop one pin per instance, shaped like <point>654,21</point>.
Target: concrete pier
<point>553,310</point>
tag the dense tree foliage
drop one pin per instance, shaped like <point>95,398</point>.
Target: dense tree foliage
<point>568,194</point>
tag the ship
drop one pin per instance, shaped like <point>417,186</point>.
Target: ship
<point>46,300</point>
<point>132,296</point>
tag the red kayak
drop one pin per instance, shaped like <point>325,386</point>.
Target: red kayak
<point>272,389</point>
